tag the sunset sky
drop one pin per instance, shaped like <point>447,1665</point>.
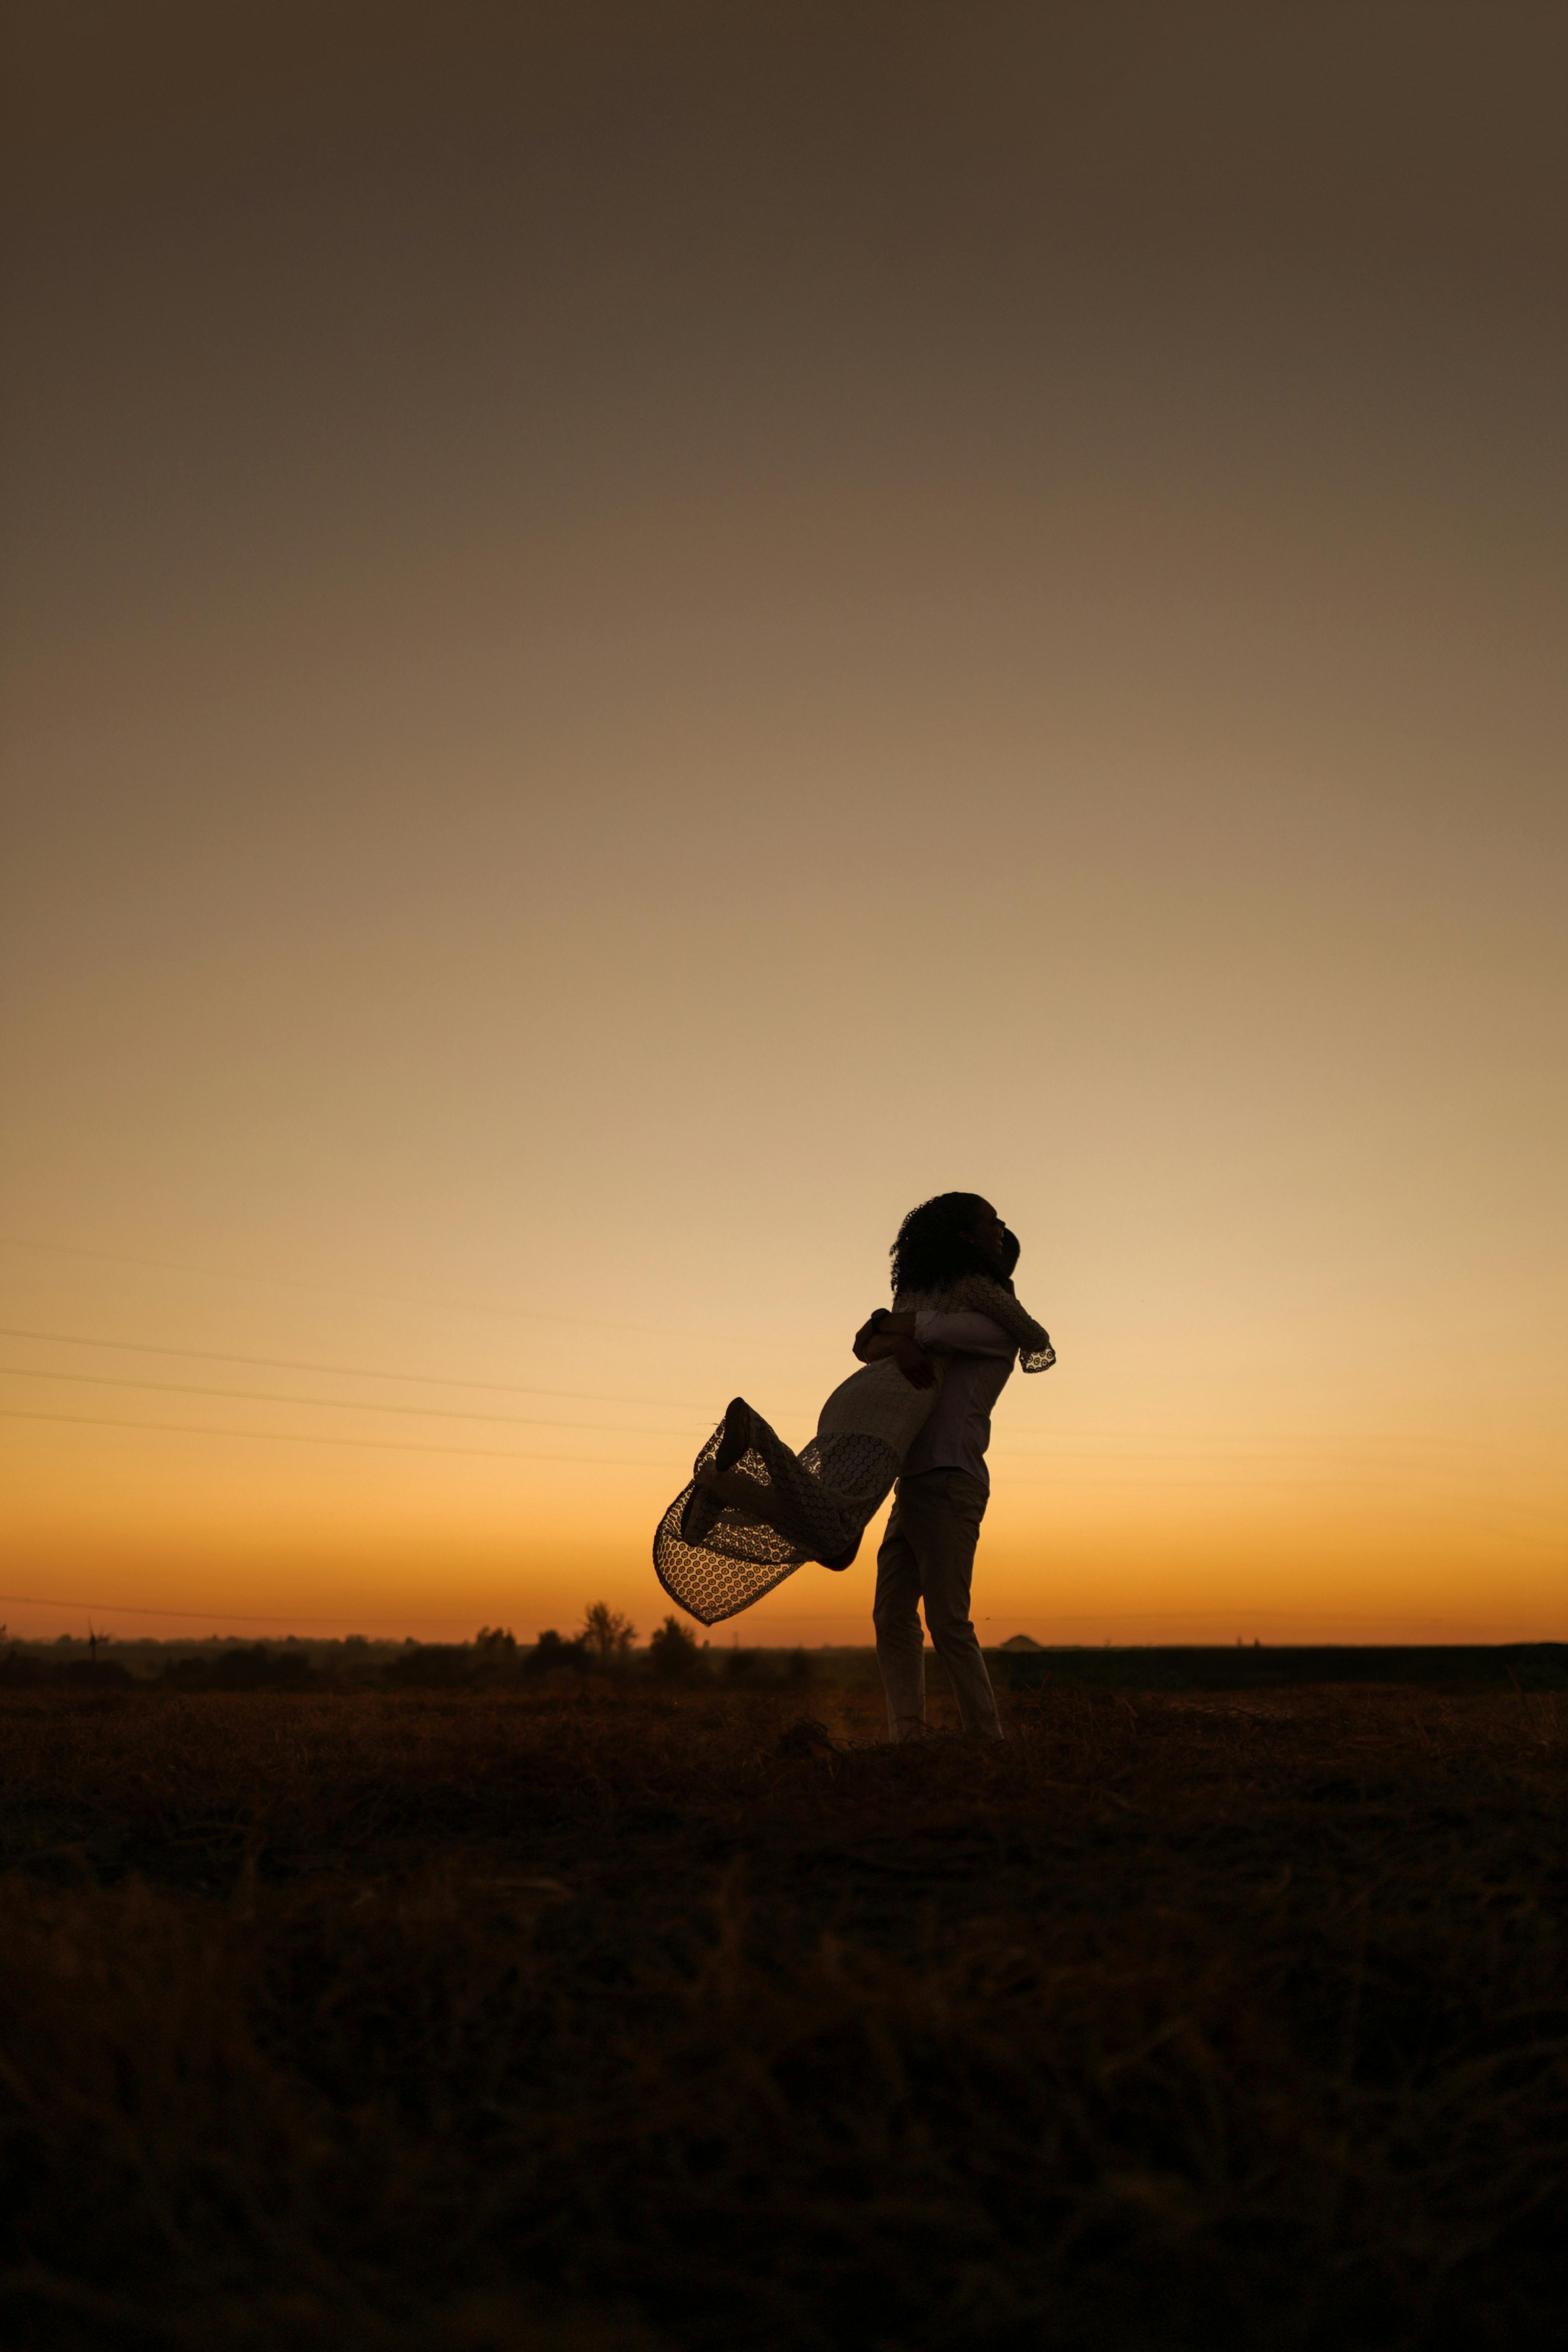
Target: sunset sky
<point>635,637</point>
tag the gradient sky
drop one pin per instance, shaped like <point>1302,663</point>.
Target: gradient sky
<point>635,637</point>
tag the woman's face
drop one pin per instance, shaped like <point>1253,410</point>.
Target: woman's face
<point>989,1233</point>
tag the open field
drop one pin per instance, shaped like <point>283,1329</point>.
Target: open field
<point>497,1661</point>
<point>585,2013</point>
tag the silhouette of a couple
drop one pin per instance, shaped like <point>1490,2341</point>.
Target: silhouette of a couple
<point>918,1411</point>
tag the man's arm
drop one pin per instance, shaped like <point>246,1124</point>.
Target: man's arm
<point>886,1334</point>
<point>873,1340</point>
<point>964,1333</point>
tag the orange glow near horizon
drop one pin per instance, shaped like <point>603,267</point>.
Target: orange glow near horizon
<point>617,668</point>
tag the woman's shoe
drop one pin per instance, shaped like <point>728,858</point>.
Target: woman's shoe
<point>737,1433</point>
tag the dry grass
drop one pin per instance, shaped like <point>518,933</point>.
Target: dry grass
<point>588,2016</point>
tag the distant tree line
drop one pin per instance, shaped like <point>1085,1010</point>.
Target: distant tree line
<point>605,1644</point>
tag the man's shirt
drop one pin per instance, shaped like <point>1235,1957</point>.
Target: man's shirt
<point>980,1359</point>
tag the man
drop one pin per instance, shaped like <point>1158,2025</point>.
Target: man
<point>928,1551</point>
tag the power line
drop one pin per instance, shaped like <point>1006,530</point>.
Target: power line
<point>346,1290</point>
<point>331,1404</point>
<point>341,1371</point>
<point>293,1282</point>
<point>301,1437</point>
<point>205,1616</point>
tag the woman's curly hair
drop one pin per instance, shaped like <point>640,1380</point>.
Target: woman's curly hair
<point>934,1247</point>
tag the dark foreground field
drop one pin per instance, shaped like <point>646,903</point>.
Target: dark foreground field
<point>582,2015</point>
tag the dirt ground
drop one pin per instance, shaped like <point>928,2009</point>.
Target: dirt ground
<point>585,2014</point>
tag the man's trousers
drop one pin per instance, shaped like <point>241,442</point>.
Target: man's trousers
<point>928,1554</point>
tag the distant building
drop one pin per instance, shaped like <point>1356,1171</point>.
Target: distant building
<point>1020,1642</point>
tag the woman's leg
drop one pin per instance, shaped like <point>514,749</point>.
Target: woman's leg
<point>813,1518</point>
<point>818,1501</point>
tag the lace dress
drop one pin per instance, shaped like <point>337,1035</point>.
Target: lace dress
<point>716,1555</point>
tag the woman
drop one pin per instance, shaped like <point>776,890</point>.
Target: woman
<point>755,1510</point>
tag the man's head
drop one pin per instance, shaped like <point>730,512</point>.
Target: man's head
<point>956,1234</point>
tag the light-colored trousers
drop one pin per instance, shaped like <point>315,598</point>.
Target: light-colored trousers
<point>928,1554</point>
